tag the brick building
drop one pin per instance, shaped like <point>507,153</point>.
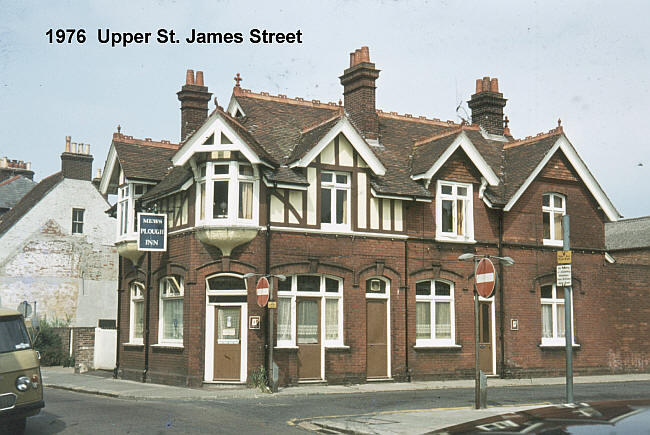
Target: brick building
<point>57,253</point>
<point>365,213</point>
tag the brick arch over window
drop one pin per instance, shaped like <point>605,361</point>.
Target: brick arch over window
<point>170,269</point>
<point>549,278</point>
<point>436,272</point>
<point>312,266</point>
<point>378,269</point>
<point>225,265</point>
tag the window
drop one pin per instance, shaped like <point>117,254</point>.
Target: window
<point>335,204</point>
<point>553,208</point>
<point>553,316</point>
<point>310,290</point>
<point>170,328</point>
<point>126,196</point>
<point>77,221</point>
<point>137,312</point>
<point>434,313</point>
<point>227,193</point>
<point>175,207</point>
<point>454,213</point>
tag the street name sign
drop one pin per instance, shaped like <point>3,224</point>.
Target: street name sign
<point>152,232</point>
<point>262,291</point>
<point>563,274</point>
<point>485,276</point>
<point>563,257</point>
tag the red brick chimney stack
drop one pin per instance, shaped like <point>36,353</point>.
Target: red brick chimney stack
<point>76,161</point>
<point>359,92</point>
<point>487,105</point>
<point>194,98</point>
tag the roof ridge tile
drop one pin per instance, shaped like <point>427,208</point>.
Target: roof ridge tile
<point>318,124</point>
<point>530,139</point>
<point>282,98</point>
<point>163,143</point>
<point>419,118</point>
<point>445,133</point>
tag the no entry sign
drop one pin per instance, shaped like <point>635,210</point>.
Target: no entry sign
<point>485,278</point>
<point>262,291</point>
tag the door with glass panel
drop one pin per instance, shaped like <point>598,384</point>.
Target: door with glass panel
<point>308,338</point>
<point>485,337</point>
<point>376,339</point>
<point>227,346</point>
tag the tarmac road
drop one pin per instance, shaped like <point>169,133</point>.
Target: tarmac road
<point>69,412</point>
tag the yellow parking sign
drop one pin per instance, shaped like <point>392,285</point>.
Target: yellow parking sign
<point>563,257</point>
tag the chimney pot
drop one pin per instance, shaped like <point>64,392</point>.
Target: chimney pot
<point>486,84</point>
<point>189,77</point>
<point>28,166</point>
<point>199,78</point>
<point>351,59</point>
<point>494,85</point>
<point>73,148</point>
<point>479,86</point>
<point>67,144</point>
<point>88,149</point>
<point>99,173</point>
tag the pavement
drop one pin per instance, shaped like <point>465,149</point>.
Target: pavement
<point>391,422</point>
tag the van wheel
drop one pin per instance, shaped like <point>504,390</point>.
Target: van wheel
<point>17,426</point>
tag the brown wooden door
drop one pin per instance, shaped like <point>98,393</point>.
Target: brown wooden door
<point>227,344</point>
<point>308,338</point>
<point>485,337</point>
<point>376,339</point>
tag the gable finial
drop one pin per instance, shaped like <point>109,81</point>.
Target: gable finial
<point>559,122</point>
<point>238,79</point>
<point>119,128</point>
<point>505,122</point>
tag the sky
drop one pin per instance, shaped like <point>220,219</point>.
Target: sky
<point>585,62</point>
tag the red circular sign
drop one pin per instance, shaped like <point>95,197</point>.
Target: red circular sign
<point>485,277</point>
<point>262,291</point>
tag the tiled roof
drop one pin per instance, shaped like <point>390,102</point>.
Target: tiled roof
<point>284,174</point>
<point>311,136</point>
<point>28,201</point>
<point>245,135</point>
<point>143,159</point>
<point>171,182</point>
<point>628,233</point>
<point>13,189</point>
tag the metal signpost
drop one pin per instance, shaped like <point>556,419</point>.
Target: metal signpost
<point>152,236</point>
<point>564,279</point>
<point>484,279</point>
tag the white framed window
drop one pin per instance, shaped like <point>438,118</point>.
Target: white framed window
<point>335,200</point>
<point>434,313</point>
<point>170,323</point>
<point>136,291</point>
<point>77,220</point>
<point>454,212</point>
<point>553,208</point>
<point>328,290</point>
<point>553,316</point>
<point>227,193</point>
<point>126,196</point>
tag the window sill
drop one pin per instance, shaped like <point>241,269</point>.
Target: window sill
<point>438,347</point>
<point>553,243</point>
<point>557,346</point>
<point>440,238</point>
<point>133,345</point>
<point>168,345</point>
<point>162,347</point>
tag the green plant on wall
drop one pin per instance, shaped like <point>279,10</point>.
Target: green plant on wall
<point>258,379</point>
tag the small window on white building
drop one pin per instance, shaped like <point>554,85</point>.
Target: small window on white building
<point>553,331</point>
<point>454,212</point>
<point>136,328</point>
<point>77,220</point>
<point>335,204</point>
<point>170,328</point>
<point>434,313</point>
<point>553,208</point>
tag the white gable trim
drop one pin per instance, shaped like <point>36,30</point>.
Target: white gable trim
<point>399,197</point>
<point>233,106</point>
<point>358,143</point>
<point>583,172</point>
<point>109,167</point>
<point>466,144</point>
<point>214,125</point>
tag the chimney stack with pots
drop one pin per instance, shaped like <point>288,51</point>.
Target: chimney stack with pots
<point>194,98</point>
<point>76,161</point>
<point>11,168</point>
<point>359,92</point>
<point>487,105</point>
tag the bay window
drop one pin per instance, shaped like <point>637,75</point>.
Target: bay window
<point>553,208</point>
<point>335,203</point>
<point>454,212</point>
<point>170,328</point>
<point>126,196</point>
<point>227,192</point>
<point>434,313</point>
<point>304,303</point>
<point>136,291</point>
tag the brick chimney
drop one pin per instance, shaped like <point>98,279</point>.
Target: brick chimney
<point>76,161</point>
<point>487,105</point>
<point>11,168</point>
<point>194,98</point>
<point>359,92</point>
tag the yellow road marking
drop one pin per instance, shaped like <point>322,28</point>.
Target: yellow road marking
<point>293,421</point>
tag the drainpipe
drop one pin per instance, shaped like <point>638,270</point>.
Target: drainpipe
<point>406,309</point>
<point>269,313</point>
<point>119,304</point>
<point>146,320</point>
<point>501,298</point>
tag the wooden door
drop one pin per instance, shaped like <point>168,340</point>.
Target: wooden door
<point>376,339</point>
<point>485,344</point>
<point>308,338</point>
<point>227,345</point>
